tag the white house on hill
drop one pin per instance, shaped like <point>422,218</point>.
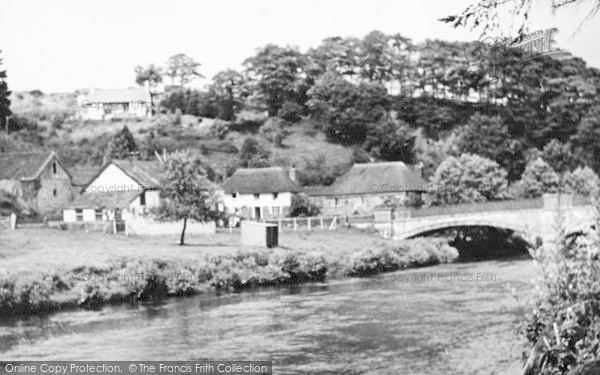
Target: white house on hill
<point>111,104</point>
<point>260,193</point>
<point>121,186</point>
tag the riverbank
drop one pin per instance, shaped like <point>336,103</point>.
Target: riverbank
<point>48,270</point>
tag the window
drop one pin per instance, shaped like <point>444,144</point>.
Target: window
<point>54,168</point>
<point>233,195</point>
<point>143,199</point>
<point>256,195</point>
<point>275,195</point>
<point>98,215</point>
<point>335,202</point>
<point>78,214</point>
<point>276,210</point>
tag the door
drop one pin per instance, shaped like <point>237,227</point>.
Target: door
<point>257,213</point>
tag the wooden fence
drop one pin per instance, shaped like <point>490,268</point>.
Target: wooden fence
<point>318,222</point>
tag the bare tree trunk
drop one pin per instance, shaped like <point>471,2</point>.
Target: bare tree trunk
<point>181,239</point>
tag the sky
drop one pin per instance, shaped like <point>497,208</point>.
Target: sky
<point>64,45</point>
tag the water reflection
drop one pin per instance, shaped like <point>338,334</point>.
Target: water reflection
<point>352,326</point>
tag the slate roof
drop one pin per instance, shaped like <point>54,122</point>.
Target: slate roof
<point>24,166</point>
<point>260,180</point>
<point>129,95</point>
<point>377,178</point>
<point>109,200</point>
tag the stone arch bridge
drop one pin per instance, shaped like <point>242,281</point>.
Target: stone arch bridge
<point>529,218</point>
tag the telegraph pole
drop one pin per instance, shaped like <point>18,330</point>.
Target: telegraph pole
<point>6,123</point>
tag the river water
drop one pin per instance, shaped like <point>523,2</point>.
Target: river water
<point>448,319</point>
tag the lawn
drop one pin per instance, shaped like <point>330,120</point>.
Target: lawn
<point>42,250</point>
<point>48,269</point>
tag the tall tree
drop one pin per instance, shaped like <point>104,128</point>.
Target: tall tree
<point>4,94</point>
<point>489,136</point>
<point>151,74</point>
<point>391,140</point>
<point>122,145</point>
<point>229,89</point>
<point>187,191</point>
<point>277,73</point>
<point>183,68</point>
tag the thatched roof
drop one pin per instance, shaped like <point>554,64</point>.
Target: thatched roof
<point>377,178</point>
<point>260,180</point>
<point>110,200</point>
<point>129,95</point>
<point>24,166</point>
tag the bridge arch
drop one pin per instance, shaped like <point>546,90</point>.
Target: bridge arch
<point>528,234</point>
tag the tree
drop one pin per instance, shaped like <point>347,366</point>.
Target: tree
<point>559,156</point>
<point>4,94</point>
<point>346,109</point>
<point>486,13</point>
<point>582,181</point>
<point>229,90</point>
<point>587,138</point>
<point>122,145</point>
<point>391,140</point>
<point>488,136</point>
<point>151,74</point>
<point>302,206</point>
<point>538,178</point>
<point>187,192</point>
<point>466,179</point>
<point>182,67</point>
<point>277,74</point>
<point>253,154</point>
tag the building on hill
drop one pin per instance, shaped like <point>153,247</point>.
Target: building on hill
<point>121,185</point>
<point>37,179</point>
<point>115,104</point>
<point>367,186</point>
<point>260,193</point>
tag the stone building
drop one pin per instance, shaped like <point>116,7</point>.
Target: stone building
<point>367,186</point>
<point>38,179</point>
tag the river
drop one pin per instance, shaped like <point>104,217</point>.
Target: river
<point>449,319</point>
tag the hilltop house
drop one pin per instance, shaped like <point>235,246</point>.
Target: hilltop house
<point>260,193</point>
<point>111,104</point>
<point>121,186</point>
<point>39,180</point>
<point>366,186</point>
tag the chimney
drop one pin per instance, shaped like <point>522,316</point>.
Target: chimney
<point>293,174</point>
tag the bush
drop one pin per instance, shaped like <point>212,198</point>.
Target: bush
<point>467,179</point>
<point>564,326</point>
<point>582,181</point>
<point>274,130</point>
<point>290,111</point>
<point>538,178</point>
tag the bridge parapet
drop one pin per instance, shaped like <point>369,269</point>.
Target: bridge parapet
<point>548,201</point>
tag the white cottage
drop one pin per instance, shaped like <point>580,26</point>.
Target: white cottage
<point>134,102</point>
<point>122,185</point>
<point>260,193</point>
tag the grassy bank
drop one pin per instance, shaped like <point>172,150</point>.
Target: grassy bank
<point>45,270</point>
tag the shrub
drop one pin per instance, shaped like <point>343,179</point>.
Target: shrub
<point>538,178</point>
<point>467,179</point>
<point>564,326</point>
<point>290,111</point>
<point>582,181</point>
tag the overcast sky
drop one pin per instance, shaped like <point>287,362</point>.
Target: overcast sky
<point>63,45</point>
